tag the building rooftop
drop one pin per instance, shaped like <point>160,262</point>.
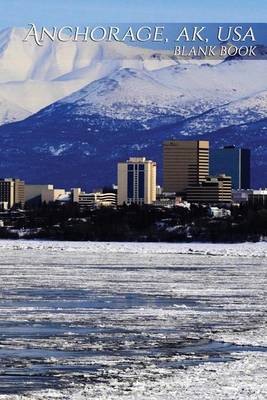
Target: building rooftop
<point>137,159</point>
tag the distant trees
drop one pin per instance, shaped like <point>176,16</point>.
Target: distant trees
<point>136,223</point>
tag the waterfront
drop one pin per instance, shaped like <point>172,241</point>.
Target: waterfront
<point>132,320</point>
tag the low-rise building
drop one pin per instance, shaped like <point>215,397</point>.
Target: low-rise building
<point>240,196</point>
<point>214,189</point>
<point>258,198</point>
<point>107,199</point>
<point>217,212</point>
<point>169,200</point>
<point>52,195</point>
<point>94,199</point>
<point>38,194</point>
<point>33,193</point>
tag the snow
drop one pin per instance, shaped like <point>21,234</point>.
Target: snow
<point>122,82</point>
<point>258,249</point>
<point>60,149</point>
<point>182,91</point>
<point>242,111</point>
<point>132,321</point>
<point>125,94</point>
<point>38,76</point>
<point>11,112</point>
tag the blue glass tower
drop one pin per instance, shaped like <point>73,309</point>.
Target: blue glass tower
<point>234,162</point>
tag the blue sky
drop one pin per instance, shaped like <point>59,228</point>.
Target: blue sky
<point>83,12</point>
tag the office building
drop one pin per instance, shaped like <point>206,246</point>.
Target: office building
<point>137,181</point>
<point>241,195</point>
<point>94,199</point>
<point>185,163</point>
<point>258,198</point>
<point>38,194</point>
<point>216,189</point>
<point>234,162</point>
<point>12,192</point>
<point>169,200</point>
<point>33,193</point>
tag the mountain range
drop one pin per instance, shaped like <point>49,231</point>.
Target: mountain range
<point>70,111</point>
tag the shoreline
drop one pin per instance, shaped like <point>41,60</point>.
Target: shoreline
<point>144,249</point>
<point>181,242</point>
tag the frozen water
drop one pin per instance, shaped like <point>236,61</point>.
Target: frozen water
<point>132,321</point>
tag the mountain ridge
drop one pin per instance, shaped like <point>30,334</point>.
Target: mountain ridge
<point>127,105</point>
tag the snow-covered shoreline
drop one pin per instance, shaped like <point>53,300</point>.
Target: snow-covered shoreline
<point>258,249</point>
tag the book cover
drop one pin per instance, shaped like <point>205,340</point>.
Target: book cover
<point>133,200</point>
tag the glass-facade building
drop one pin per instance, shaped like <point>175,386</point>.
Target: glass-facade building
<point>234,162</point>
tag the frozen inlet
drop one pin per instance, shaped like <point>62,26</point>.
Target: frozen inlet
<point>132,321</point>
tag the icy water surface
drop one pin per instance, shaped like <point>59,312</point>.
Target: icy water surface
<point>132,321</point>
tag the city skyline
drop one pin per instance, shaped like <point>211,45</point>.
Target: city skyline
<point>186,168</point>
<point>206,172</point>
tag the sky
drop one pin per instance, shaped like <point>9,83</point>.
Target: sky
<point>83,12</point>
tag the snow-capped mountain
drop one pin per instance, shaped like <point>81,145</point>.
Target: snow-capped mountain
<point>11,112</point>
<point>102,102</point>
<point>36,76</point>
<point>177,91</point>
<point>235,113</point>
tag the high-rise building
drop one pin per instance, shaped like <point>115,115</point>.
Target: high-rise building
<point>214,189</point>
<point>137,181</point>
<point>234,162</point>
<point>12,192</point>
<point>185,163</point>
